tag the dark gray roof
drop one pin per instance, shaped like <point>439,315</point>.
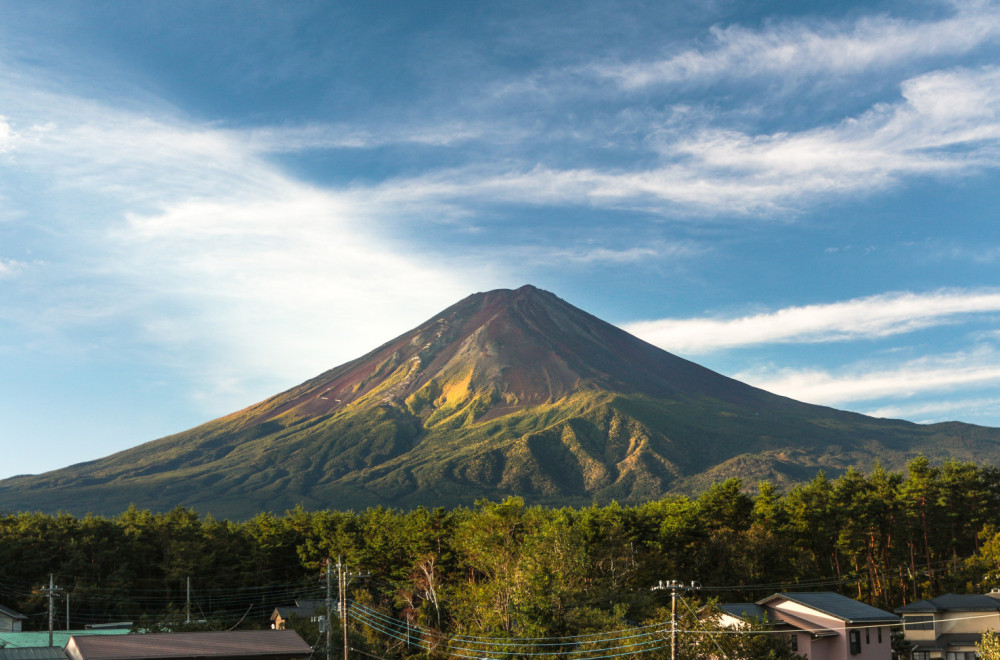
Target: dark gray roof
<point>33,653</point>
<point>837,606</point>
<point>11,613</point>
<point>788,620</point>
<point>776,619</point>
<point>303,608</point>
<point>952,603</point>
<point>945,642</point>
<point>743,610</point>
<point>169,646</point>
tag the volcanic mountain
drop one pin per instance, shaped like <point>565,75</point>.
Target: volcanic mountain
<point>506,392</point>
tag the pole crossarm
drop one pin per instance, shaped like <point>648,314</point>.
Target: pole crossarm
<point>675,587</point>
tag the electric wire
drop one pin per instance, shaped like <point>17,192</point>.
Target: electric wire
<point>473,638</point>
<point>582,654</point>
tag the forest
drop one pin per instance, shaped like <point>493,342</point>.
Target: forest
<point>485,581</point>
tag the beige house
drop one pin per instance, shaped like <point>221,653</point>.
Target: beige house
<point>821,625</point>
<point>949,626</point>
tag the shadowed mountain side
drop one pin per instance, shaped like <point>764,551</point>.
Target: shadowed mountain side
<point>506,392</point>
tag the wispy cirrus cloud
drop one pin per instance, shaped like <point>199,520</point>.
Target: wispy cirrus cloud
<point>591,255</point>
<point>185,240</point>
<point>976,368</point>
<point>345,136</point>
<point>863,318</point>
<point>947,124</point>
<point>814,48</point>
<point>10,267</point>
<point>931,411</point>
<point>6,135</point>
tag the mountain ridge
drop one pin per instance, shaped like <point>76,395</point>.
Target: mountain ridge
<point>506,392</point>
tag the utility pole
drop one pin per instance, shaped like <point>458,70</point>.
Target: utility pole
<point>342,583</point>
<point>343,580</point>
<point>188,601</point>
<point>674,586</point>
<point>67,611</point>
<point>329,609</point>
<point>51,593</point>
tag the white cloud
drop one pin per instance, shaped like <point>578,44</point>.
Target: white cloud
<point>10,267</point>
<point>319,136</point>
<point>231,270</point>
<point>287,286</point>
<point>795,49</point>
<point>947,124</point>
<point>936,411</point>
<point>7,135</point>
<point>589,255</point>
<point>978,368</point>
<point>875,316</point>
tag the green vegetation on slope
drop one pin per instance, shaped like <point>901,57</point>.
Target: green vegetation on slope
<point>505,569</point>
<point>442,449</point>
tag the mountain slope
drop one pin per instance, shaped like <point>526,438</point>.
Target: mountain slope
<point>505,392</point>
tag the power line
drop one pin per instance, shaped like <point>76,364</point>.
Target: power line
<point>476,648</point>
<point>533,641</point>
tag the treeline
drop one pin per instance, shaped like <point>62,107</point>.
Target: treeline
<point>506,569</point>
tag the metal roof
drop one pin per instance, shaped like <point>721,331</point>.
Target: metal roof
<point>743,610</point>
<point>33,653</point>
<point>947,642</point>
<point>837,606</point>
<point>12,614</point>
<point>286,611</point>
<point>776,618</point>
<point>952,603</point>
<point>40,639</point>
<point>190,645</point>
<point>788,620</point>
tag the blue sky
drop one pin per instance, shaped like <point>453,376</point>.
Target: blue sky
<point>205,203</point>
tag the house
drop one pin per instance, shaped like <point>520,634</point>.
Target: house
<point>306,609</point>
<point>228,645</point>
<point>949,626</point>
<point>10,621</point>
<point>821,625</point>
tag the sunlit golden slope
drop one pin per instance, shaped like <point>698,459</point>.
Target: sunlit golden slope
<point>505,392</point>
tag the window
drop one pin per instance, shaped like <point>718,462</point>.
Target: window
<point>855,638</point>
<point>868,635</point>
<point>795,644</point>
<point>921,655</point>
<point>922,622</point>
<point>961,655</point>
<point>880,634</point>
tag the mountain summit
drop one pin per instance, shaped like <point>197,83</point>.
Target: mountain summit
<point>505,392</point>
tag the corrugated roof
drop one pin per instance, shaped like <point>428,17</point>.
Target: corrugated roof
<point>39,639</point>
<point>953,603</point>
<point>33,653</point>
<point>837,606</point>
<point>192,645</point>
